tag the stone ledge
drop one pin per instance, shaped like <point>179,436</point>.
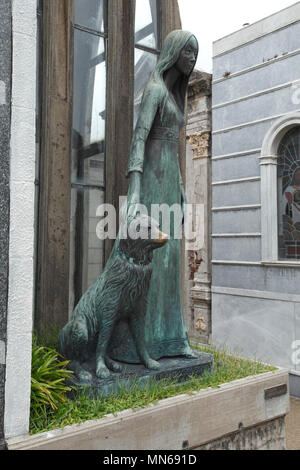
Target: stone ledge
<point>197,419</point>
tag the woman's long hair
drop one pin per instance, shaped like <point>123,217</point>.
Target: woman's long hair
<point>172,47</point>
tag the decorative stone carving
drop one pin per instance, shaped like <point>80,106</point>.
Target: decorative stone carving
<point>200,85</point>
<point>200,143</point>
<point>201,324</point>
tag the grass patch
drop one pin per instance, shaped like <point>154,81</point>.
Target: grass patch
<point>82,408</point>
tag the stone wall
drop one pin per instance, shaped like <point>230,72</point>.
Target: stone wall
<point>5,92</point>
<point>266,436</point>
<point>255,295</point>
<point>22,142</point>
<point>198,177</point>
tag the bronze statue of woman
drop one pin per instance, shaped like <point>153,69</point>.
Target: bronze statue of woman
<point>155,178</point>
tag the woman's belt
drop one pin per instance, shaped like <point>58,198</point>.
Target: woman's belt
<point>164,133</point>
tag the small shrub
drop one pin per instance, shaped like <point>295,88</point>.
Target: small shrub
<point>48,380</point>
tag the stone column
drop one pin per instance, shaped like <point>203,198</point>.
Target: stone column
<point>198,191</point>
<point>269,217</point>
<point>22,197</point>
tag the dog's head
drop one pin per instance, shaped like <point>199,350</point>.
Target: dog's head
<point>142,236</point>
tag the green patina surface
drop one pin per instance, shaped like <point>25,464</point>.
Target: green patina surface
<point>154,155</point>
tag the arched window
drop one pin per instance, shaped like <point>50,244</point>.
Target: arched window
<point>288,189</point>
<point>280,191</point>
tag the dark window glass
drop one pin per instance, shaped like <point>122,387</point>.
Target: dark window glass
<point>288,174</point>
<point>146,23</point>
<point>90,13</point>
<point>86,264</point>
<point>147,44</point>
<point>89,96</point>
<point>88,145</point>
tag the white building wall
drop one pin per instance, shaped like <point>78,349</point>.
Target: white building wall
<point>255,301</point>
<point>22,219</point>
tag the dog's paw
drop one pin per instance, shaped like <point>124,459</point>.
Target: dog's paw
<point>190,354</point>
<point>117,367</point>
<point>152,365</point>
<point>85,376</point>
<point>102,372</point>
<point>112,365</point>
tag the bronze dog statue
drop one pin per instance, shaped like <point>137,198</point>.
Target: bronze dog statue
<point>119,293</point>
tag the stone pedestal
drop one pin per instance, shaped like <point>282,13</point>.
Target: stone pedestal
<point>174,368</point>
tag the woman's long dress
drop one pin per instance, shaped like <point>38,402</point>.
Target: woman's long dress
<point>154,152</point>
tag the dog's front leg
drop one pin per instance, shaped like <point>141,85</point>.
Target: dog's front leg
<point>137,327</point>
<point>107,319</point>
<point>105,332</point>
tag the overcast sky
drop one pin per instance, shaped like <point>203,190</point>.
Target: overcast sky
<point>211,20</point>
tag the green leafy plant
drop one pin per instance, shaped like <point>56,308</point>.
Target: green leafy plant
<point>48,380</point>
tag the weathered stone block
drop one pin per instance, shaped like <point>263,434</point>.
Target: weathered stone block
<point>266,436</point>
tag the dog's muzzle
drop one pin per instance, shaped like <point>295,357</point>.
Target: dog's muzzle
<point>162,238</point>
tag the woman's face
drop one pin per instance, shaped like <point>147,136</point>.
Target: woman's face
<point>188,57</point>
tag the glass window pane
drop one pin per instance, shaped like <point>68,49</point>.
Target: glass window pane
<point>146,23</point>
<point>289,195</point>
<point>87,251</point>
<point>89,101</point>
<point>90,13</point>
<point>145,63</point>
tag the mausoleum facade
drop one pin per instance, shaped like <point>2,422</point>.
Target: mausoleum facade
<point>255,191</point>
